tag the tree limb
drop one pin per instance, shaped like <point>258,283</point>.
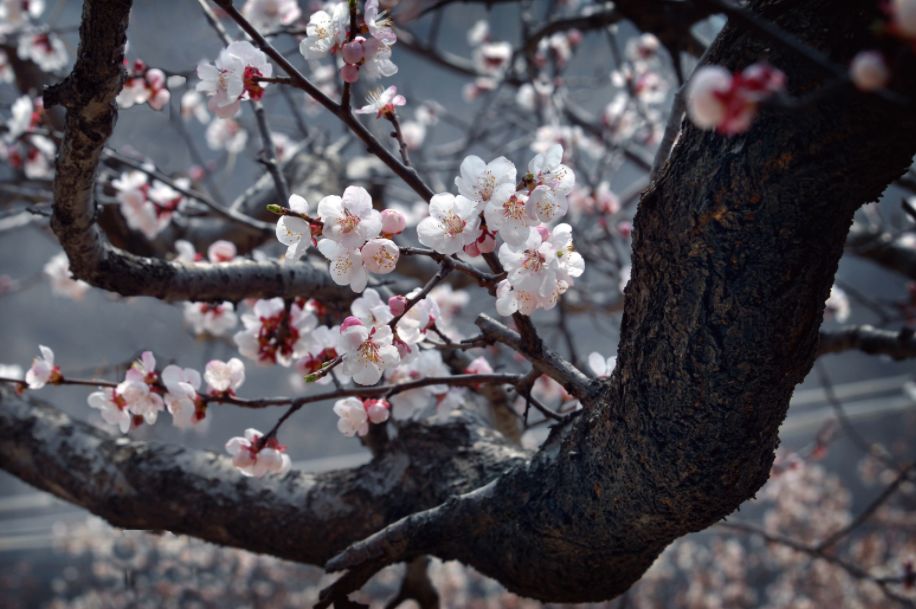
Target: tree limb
<point>88,93</point>
<point>301,517</point>
<point>896,345</point>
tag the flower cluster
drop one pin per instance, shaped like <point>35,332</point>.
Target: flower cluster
<point>147,205</point>
<point>22,146</point>
<point>253,456</point>
<point>144,85</point>
<point>213,318</point>
<point>234,77</point>
<point>726,102</point>
<point>276,332</point>
<point>43,48</point>
<point>366,52</point>
<point>354,236</point>
<point>540,261</point>
<point>356,414</point>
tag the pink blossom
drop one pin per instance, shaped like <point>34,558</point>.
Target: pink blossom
<point>380,256</point>
<point>43,370</point>
<point>253,459</point>
<point>868,71</point>
<point>393,222</point>
<point>224,378</point>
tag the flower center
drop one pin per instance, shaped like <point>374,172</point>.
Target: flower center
<point>349,222</point>
<point>369,352</point>
<point>514,208</point>
<point>453,224</point>
<point>534,261</point>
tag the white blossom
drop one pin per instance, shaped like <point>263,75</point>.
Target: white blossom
<point>367,352</point>
<point>252,460</point>
<point>213,319</point>
<point>57,269</point>
<point>380,256</point>
<point>42,370</point>
<point>601,366</point>
<point>112,407</point>
<point>346,265</point>
<point>480,181</point>
<point>382,102</point>
<point>43,48</point>
<point>350,220</point>
<point>226,134</point>
<point>224,377</point>
<point>293,231</point>
<point>453,222</point>
<point>354,420</point>
<point>230,79</point>
<point>325,31</point>
<point>181,396</point>
<point>553,181</point>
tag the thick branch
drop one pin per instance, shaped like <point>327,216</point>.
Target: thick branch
<point>896,345</point>
<point>302,517</point>
<point>883,249</point>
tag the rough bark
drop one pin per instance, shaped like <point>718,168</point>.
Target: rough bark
<point>301,517</point>
<point>736,245</point>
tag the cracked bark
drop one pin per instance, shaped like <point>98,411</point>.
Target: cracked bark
<point>735,247</point>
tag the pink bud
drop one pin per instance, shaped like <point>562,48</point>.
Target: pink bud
<point>479,365</point>
<point>393,222</point>
<point>544,232</point>
<point>353,52</point>
<point>349,322</point>
<point>486,243</point>
<point>377,410</point>
<point>221,251</point>
<point>625,229</point>
<point>160,99</point>
<point>403,349</point>
<point>471,249</point>
<point>397,304</point>
<point>868,71</point>
<point>574,37</point>
<point>155,77</point>
<point>350,73</point>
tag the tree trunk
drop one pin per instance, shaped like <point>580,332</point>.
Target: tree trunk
<point>736,245</point>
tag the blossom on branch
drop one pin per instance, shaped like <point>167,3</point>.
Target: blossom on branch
<point>223,378</point>
<point>181,398</point>
<point>726,102</point>
<point>43,370</point>
<point>256,458</point>
<point>293,231</point>
<point>350,220</point>
<point>275,333</point>
<point>233,77</point>
<point>367,351</point>
<point>482,182</point>
<point>382,102</point>
<point>453,223</point>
